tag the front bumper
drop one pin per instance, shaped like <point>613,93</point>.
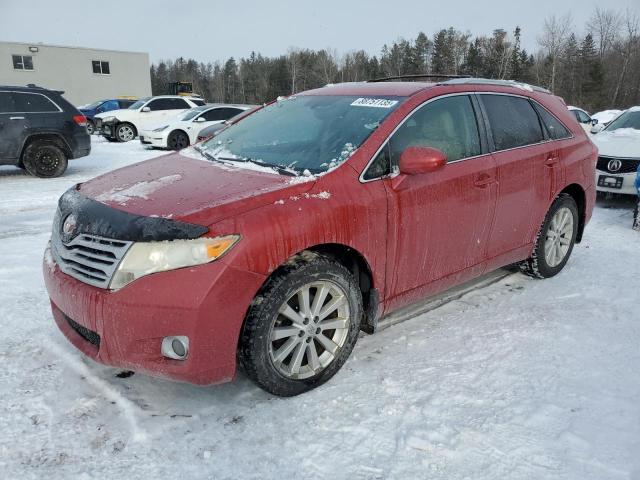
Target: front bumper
<point>628,183</point>
<point>150,138</point>
<point>107,129</point>
<point>125,328</point>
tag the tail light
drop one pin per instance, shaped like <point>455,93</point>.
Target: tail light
<point>80,120</point>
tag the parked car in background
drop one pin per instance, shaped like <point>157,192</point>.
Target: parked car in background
<point>40,131</point>
<point>102,106</point>
<point>208,132</point>
<point>583,118</point>
<point>604,118</point>
<point>123,125</point>
<point>619,153</point>
<point>276,241</point>
<point>183,131</point>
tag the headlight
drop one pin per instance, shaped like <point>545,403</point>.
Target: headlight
<point>145,258</point>
<point>159,129</point>
<point>108,119</point>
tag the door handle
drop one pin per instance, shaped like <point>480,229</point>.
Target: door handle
<point>551,160</point>
<point>484,180</point>
<point>16,118</point>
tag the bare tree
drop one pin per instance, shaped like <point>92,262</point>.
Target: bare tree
<point>293,59</point>
<point>604,25</point>
<point>553,40</point>
<point>628,47</point>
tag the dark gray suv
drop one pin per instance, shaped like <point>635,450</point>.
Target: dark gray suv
<point>40,131</point>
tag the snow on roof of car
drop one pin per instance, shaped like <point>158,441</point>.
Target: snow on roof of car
<point>400,89</point>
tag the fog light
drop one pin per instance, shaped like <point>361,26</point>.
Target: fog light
<point>176,348</point>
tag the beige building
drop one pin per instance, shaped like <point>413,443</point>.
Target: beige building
<point>85,74</point>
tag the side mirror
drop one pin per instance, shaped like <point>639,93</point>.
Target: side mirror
<point>145,109</point>
<point>597,128</point>
<point>200,119</point>
<point>417,160</point>
<point>594,121</point>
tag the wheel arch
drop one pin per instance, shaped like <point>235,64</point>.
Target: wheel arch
<point>579,196</point>
<point>56,138</point>
<point>133,125</point>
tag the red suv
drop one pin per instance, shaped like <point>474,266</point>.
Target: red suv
<point>274,243</point>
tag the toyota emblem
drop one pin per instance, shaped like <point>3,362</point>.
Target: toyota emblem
<point>69,227</point>
<point>614,165</point>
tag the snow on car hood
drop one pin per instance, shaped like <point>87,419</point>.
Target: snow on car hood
<point>623,142</point>
<point>191,190</point>
<point>121,114</point>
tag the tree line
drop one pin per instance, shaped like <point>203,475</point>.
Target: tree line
<point>596,69</point>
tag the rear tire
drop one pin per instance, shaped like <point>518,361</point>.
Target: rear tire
<point>125,132</point>
<point>290,353</point>
<point>44,159</point>
<point>177,140</point>
<point>555,240</point>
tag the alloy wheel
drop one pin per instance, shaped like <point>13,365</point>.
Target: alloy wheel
<point>310,329</point>
<point>125,133</point>
<point>558,237</point>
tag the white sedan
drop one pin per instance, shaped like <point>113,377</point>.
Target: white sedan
<point>584,119</point>
<point>184,130</point>
<point>619,153</point>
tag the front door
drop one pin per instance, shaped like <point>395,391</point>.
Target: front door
<point>12,129</point>
<point>439,222</point>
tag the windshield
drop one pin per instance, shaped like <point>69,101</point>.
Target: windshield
<point>307,132</point>
<point>93,106</point>
<point>629,119</point>
<point>139,103</point>
<point>189,114</point>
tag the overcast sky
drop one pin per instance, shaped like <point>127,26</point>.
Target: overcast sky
<point>215,30</point>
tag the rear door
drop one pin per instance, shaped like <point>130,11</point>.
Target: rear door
<point>521,153</point>
<point>12,127</point>
<point>439,222</point>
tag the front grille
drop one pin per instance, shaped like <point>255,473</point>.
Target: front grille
<point>628,165</point>
<point>89,335</point>
<point>88,258</point>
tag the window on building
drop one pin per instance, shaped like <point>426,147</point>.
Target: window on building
<point>22,62</point>
<point>100,67</point>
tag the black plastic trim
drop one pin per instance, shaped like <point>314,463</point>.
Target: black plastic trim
<point>95,218</point>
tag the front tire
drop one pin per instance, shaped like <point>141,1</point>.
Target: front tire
<point>302,326</point>
<point>125,132</point>
<point>555,240</point>
<point>177,140</point>
<point>44,159</point>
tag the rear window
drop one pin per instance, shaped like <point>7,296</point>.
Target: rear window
<point>33,103</point>
<point>514,122</point>
<point>556,130</point>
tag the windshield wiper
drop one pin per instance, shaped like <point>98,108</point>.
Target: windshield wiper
<point>280,169</point>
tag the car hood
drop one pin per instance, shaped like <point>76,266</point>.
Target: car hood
<point>623,142</point>
<point>120,114</point>
<point>185,187</point>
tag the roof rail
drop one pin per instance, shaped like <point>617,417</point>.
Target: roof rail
<point>491,81</point>
<point>416,77</point>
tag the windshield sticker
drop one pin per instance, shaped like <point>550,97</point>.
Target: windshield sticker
<point>374,102</point>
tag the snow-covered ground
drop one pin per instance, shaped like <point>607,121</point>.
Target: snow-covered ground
<point>521,379</point>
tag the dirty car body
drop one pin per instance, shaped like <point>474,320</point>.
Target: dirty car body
<point>400,234</point>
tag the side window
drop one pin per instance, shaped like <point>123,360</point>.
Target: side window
<point>6,103</point>
<point>159,104</point>
<point>231,112</point>
<point>583,117</point>
<point>514,122</point>
<point>33,103</point>
<point>109,105</point>
<point>125,103</point>
<point>213,115</point>
<point>381,166</point>
<point>198,102</point>
<point>448,124</point>
<point>556,130</point>
<point>178,104</point>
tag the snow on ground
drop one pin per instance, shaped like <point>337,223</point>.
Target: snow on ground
<point>522,379</point>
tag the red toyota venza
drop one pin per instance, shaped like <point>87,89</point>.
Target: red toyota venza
<point>272,244</point>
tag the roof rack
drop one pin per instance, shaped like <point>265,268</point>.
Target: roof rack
<point>416,77</point>
<point>490,81</point>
